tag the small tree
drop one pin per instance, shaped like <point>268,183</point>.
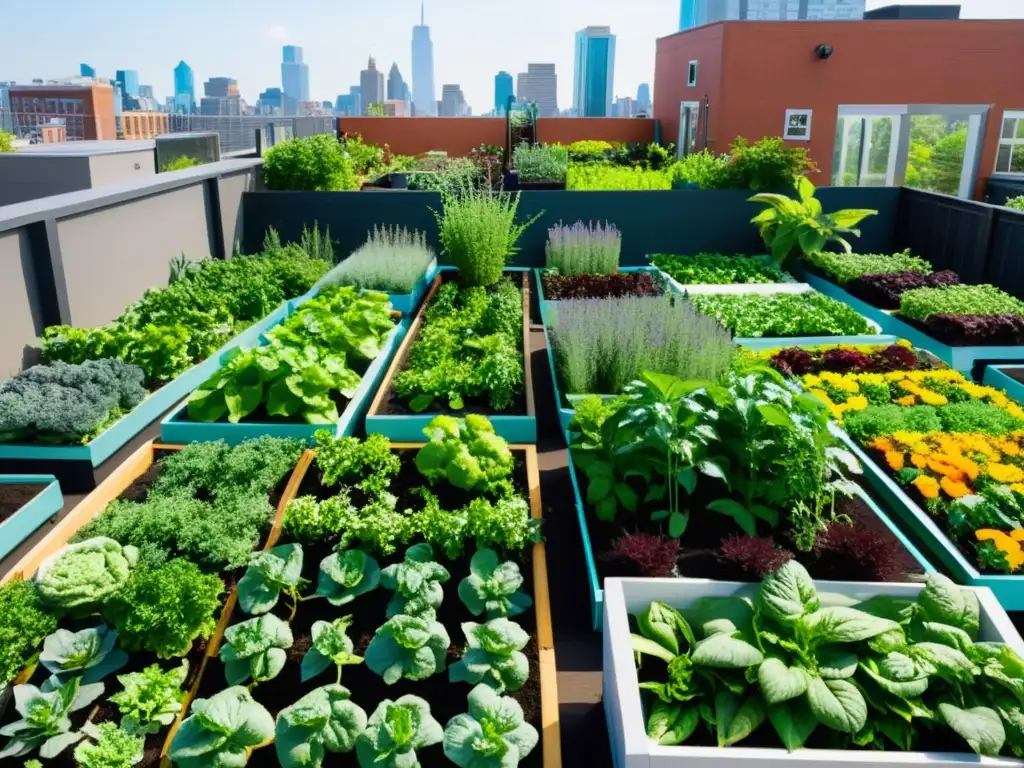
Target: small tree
<point>315,163</point>
<point>6,141</point>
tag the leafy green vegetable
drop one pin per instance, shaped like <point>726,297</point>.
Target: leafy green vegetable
<point>416,583</point>
<point>919,303</point>
<point>344,576</point>
<point>271,572</point>
<point>465,452</point>
<point>493,587</point>
<point>88,654</point>
<point>151,699</point>
<point>493,656</point>
<point>783,314</point>
<point>331,645</point>
<point>257,649</point>
<point>113,748</point>
<point>322,721</point>
<point>493,734</point>
<point>222,731</point>
<point>368,465</point>
<point>394,732</point>
<point>45,724</point>
<point>718,269</point>
<point>408,646</point>
<point>80,576</point>
<point>23,626</point>
<point>844,267</point>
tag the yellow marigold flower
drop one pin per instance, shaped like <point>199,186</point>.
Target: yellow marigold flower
<point>918,460</point>
<point>931,398</point>
<point>811,381</point>
<point>1004,473</point>
<point>906,400</point>
<point>944,469</point>
<point>1009,448</point>
<point>895,460</point>
<point>1017,534</point>
<point>872,378</point>
<point>856,403</point>
<point>1018,488</point>
<point>1009,545</point>
<point>841,382</point>
<point>881,444</point>
<point>823,396</point>
<point>954,488</point>
<point>905,343</point>
<point>928,486</point>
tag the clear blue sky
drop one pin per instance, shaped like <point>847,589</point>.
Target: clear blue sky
<point>473,39</point>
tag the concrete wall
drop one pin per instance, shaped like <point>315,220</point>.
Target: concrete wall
<point>81,258</point>
<point>117,168</point>
<point>28,177</point>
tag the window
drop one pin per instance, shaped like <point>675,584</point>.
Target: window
<point>691,74</point>
<point>1010,155</point>
<point>798,125</point>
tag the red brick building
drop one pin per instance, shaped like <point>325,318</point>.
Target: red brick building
<point>87,109</point>
<point>865,97</point>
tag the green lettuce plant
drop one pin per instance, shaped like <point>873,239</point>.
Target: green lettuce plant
<point>24,624</point>
<point>493,656</point>
<point>344,576</point>
<point>111,748</point>
<point>394,732</point>
<point>408,647</point>
<point>324,720</point>
<point>80,576</point>
<point>416,582</point>
<point>331,645</point>
<point>1016,203</point>
<point>257,649</point>
<point>369,465</point>
<point>222,731</point>
<point>89,654</point>
<point>465,452</point>
<point>493,734</point>
<point>150,699</point>
<point>270,573</point>
<point>493,587</point>
<point>45,724</point>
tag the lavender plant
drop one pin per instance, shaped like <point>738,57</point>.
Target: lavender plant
<point>584,249</point>
<point>600,345</point>
<point>392,259</point>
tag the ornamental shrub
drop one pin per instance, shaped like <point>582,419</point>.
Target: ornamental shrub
<point>6,141</point>
<point>767,165</point>
<point>704,168</point>
<point>589,151</point>
<point>315,163</point>
<point>541,163</point>
<point>1017,203</point>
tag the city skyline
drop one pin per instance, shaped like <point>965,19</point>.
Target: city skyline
<point>469,46</point>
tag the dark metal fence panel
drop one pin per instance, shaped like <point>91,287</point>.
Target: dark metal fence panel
<point>1006,257</point>
<point>951,233</point>
<point>999,189</point>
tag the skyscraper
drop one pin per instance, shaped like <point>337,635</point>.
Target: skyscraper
<point>423,93</point>
<point>371,85</point>
<point>271,102</point>
<point>693,13</point>
<point>294,79</point>
<point>503,90</point>
<point>129,80</point>
<point>221,87</point>
<point>184,89</point>
<point>453,103</point>
<point>539,85</point>
<point>86,71</point>
<point>146,92</point>
<point>396,84</point>
<point>643,98</point>
<point>594,75</point>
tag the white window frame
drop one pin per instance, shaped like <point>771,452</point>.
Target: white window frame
<point>1016,144</point>
<point>691,73</point>
<point>808,113</point>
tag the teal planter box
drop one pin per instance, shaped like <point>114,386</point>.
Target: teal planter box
<point>1009,590</point>
<point>406,303</point>
<point>74,465</point>
<point>408,428</point>
<point>23,523</point>
<point>812,341</point>
<point>995,376</point>
<point>961,359</point>
<point>178,429</point>
<point>596,591</point>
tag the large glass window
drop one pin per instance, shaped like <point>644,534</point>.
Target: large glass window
<point>1010,155</point>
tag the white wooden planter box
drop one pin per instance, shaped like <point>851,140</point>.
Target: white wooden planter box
<point>627,728</point>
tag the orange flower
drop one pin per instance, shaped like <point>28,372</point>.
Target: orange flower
<point>944,469</point>
<point>927,486</point>
<point>881,444</point>
<point>954,488</point>
<point>894,459</point>
<point>1004,473</point>
<point>1009,545</point>
<point>906,400</point>
<point>918,460</point>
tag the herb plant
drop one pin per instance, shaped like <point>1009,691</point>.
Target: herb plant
<point>919,303</point>
<point>493,656</point>
<point>331,645</point>
<point>844,267</point>
<point>783,314</point>
<point>394,732</point>
<point>45,724</point>
<point>408,647</point>
<point>416,583</point>
<point>541,163</point>
<point>151,699</point>
<point>393,260</point>
<point>270,573</point>
<point>492,734</point>
<point>583,249</point>
<point>613,178</point>
<point>465,452</point>
<point>113,748</point>
<point>346,575</point>
<point>324,720</point>
<point>81,576</point>
<point>885,290</point>
<point>88,654</point>
<point>313,163</point>
<point>493,587</point>
<point>24,625</point>
<point>1016,203</point>
<point>718,269</point>
<point>222,731</point>
<point>256,649</point>
<point>369,465</point>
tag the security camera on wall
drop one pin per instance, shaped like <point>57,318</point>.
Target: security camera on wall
<point>823,51</point>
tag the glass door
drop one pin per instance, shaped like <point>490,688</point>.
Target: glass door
<point>689,115</point>
<point>866,149</point>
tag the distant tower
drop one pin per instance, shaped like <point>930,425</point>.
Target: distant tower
<point>294,79</point>
<point>594,77</point>
<point>184,89</point>
<point>423,94</point>
<point>371,83</point>
<point>643,98</point>
<point>503,89</point>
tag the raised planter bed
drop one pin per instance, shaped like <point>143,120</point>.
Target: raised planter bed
<point>716,269</point>
<point>390,417</point>
<point>962,359</point>
<point>26,502</point>
<point>1009,378</point>
<point>406,303</point>
<point>544,301</point>
<point>631,747</point>
<point>75,465</point>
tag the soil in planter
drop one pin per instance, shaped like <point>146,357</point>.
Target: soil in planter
<point>368,690</point>
<point>958,335</point>
<point>392,405</point>
<point>14,496</point>
<point>612,286</point>
<point>1017,374</point>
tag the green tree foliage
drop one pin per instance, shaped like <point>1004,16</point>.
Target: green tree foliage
<point>315,163</point>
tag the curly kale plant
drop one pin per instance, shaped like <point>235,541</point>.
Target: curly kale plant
<point>88,654</point>
<point>368,465</point>
<point>493,587</point>
<point>23,626</point>
<point>113,747</point>
<point>331,645</point>
<point>344,576</point>
<point>394,732</point>
<point>493,734</point>
<point>45,724</point>
<point>493,656</point>
<point>81,576</point>
<point>222,731</point>
<point>408,646</point>
<point>151,699</point>
<point>324,720</point>
<point>257,649</point>
<point>271,572</point>
<point>465,452</point>
<point>416,583</point>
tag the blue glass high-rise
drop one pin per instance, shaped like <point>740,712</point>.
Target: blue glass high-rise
<point>423,93</point>
<point>129,80</point>
<point>594,77</point>
<point>503,91</point>
<point>184,89</point>
<point>294,78</point>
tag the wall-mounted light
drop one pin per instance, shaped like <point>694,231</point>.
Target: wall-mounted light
<point>823,51</point>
